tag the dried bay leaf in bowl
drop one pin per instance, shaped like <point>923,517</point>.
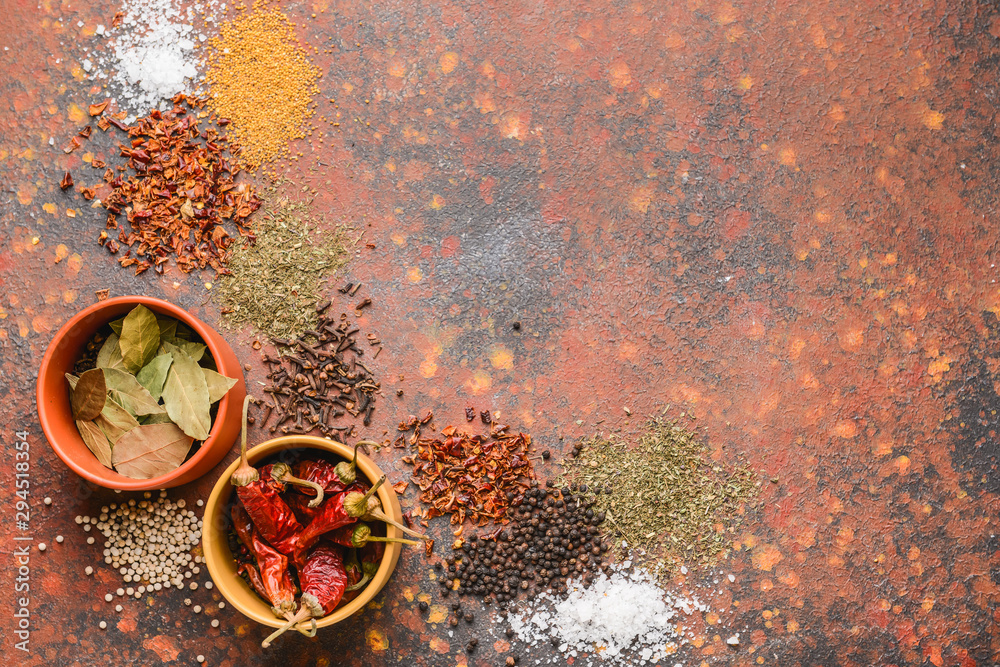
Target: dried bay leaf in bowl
<point>218,384</point>
<point>153,375</point>
<point>89,395</point>
<point>151,450</point>
<point>110,355</point>
<point>130,394</point>
<point>140,338</point>
<point>185,394</point>
<point>96,441</point>
<point>115,421</point>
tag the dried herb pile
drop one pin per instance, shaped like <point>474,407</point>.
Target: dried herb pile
<point>474,477</point>
<point>148,397</point>
<point>318,378</point>
<point>176,190</point>
<point>276,280</point>
<point>262,80</point>
<point>662,495</point>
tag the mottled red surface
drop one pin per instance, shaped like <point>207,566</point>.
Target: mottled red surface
<point>777,215</point>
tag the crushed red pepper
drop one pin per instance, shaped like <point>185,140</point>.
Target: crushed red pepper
<point>474,477</point>
<point>176,191</point>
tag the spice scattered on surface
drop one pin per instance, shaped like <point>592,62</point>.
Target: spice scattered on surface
<point>41,546</point>
<point>154,54</point>
<point>148,541</point>
<point>275,281</point>
<point>475,477</point>
<point>663,495</point>
<point>177,192</point>
<point>261,79</point>
<point>554,537</point>
<point>622,618</point>
<point>318,378</point>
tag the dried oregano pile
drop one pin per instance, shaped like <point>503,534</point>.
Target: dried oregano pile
<point>662,495</point>
<point>275,282</point>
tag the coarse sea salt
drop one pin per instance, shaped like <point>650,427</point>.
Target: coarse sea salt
<point>152,54</point>
<point>624,618</point>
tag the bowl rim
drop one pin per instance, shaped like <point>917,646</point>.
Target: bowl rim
<point>113,479</point>
<point>216,503</point>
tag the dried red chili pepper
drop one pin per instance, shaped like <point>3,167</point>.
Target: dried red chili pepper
<point>180,190</point>
<point>272,567</point>
<point>472,476</point>
<point>262,500</point>
<point>98,109</point>
<point>341,510</point>
<point>66,182</point>
<point>324,579</point>
<point>356,579</point>
<point>333,479</point>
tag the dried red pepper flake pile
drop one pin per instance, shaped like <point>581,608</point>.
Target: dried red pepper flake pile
<point>474,477</point>
<point>176,190</point>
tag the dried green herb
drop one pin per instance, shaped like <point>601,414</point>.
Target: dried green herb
<point>137,412</point>
<point>139,339</point>
<point>130,394</point>
<point>663,495</point>
<point>110,355</point>
<point>275,283</point>
<point>185,394</point>
<point>154,374</point>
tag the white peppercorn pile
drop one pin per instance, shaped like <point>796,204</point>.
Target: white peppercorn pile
<point>148,541</point>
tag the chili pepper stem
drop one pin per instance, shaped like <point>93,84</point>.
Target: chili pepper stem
<point>361,584</point>
<point>289,478</point>
<point>348,472</point>
<point>400,540</point>
<point>245,474</point>
<point>379,515</point>
<point>301,615</point>
<point>356,504</point>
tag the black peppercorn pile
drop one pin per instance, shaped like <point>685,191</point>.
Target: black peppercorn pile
<point>554,537</point>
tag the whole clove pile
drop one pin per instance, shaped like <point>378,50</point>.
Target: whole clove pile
<point>555,537</point>
<point>475,477</point>
<point>318,378</point>
<point>176,190</point>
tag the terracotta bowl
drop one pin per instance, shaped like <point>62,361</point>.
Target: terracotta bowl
<point>57,420</point>
<point>219,558</point>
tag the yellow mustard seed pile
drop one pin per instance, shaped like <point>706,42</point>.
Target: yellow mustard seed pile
<point>261,80</point>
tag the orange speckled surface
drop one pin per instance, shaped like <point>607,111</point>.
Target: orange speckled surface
<point>778,215</point>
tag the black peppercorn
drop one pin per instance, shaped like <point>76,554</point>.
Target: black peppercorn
<point>422,605</point>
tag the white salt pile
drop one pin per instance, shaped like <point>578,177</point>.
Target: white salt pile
<point>153,54</point>
<point>624,618</point>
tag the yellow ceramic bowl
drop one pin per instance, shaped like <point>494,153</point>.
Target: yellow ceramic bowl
<point>222,565</point>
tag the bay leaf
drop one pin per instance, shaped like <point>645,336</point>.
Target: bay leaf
<point>88,398</point>
<point>185,394</point>
<point>139,339</point>
<point>110,355</point>
<point>184,332</point>
<point>154,374</point>
<point>150,450</point>
<point>167,325</point>
<point>130,394</point>
<point>96,441</point>
<point>116,325</point>
<point>162,418</point>
<point>218,384</point>
<point>193,350</point>
<point>72,379</point>
<point>115,421</point>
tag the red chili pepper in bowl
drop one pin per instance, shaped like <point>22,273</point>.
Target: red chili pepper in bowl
<point>341,510</point>
<point>324,579</point>
<point>261,498</point>
<point>360,534</point>
<point>272,566</point>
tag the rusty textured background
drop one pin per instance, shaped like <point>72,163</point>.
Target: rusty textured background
<point>778,215</point>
